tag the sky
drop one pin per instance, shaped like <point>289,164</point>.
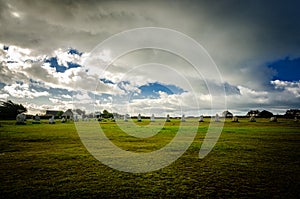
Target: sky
<point>52,56</point>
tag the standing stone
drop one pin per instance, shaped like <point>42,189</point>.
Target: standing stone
<point>273,119</point>
<point>201,119</point>
<point>125,118</point>
<point>152,119</point>
<point>20,119</point>
<point>76,118</point>
<point>168,118</point>
<point>139,118</point>
<point>235,119</point>
<point>252,119</point>
<point>217,118</point>
<point>51,120</point>
<point>37,119</point>
<point>183,118</point>
<point>115,117</point>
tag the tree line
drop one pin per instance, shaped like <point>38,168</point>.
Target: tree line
<point>9,110</point>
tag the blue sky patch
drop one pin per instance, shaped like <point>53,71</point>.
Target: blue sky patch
<point>287,69</point>
<point>54,64</point>
<point>231,90</point>
<point>60,68</point>
<point>61,91</point>
<point>106,81</point>
<point>2,85</point>
<point>73,65</point>
<point>151,90</point>
<point>73,51</point>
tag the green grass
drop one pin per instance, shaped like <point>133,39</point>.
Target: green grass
<point>250,160</point>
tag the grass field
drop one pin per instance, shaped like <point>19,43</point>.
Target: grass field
<point>250,160</point>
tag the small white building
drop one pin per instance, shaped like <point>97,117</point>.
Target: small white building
<point>73,115</point>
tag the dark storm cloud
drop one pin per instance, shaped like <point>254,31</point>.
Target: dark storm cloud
<point>48,25</point>
<point>248,24</point>
<point>242,36</point>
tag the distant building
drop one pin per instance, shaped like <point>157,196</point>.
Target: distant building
<point>51,113</point>
<point>227,114</point>
<point>68,114</point>
<point>73,114</point>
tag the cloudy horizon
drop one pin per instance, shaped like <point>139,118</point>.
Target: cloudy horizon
<point>45,45</point>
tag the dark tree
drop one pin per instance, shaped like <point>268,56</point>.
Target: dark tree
<point>291,113</point>
<point>107,114</point>
<point>9,110</point>
<point>265,114</point>
<point>253,113</point>
<point>59,113</point>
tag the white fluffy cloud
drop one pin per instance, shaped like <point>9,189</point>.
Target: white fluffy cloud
<point>4,96</point>
<point>126,79</point>
<point>292,87</point>
<point>20,90</point>
<point>19,66</point>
